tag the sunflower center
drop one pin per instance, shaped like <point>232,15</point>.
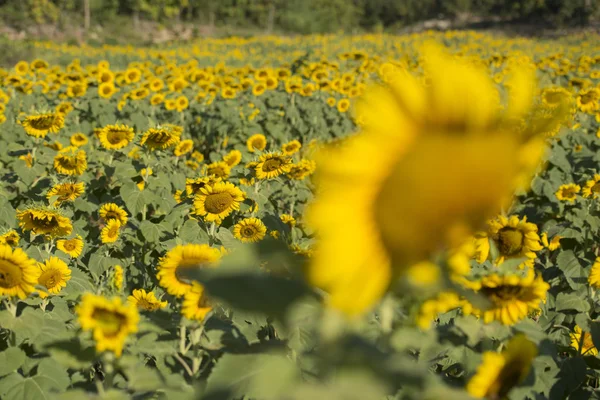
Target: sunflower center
<point>272,164</point>
<point>68,162</point>
<point>43,123</point>
<point>218,171</point>
<point>114,231</point>
<point>248,231</point>
<point>502,293</point>
<point>216,203</point>
<point>10,274</point>
<point>108,321</point>
<point>69,245</point>
<point>44,223</point>
<point>160,137</point>
<point>510,241</point>
<point>50,278</point>
<point>115,136</point>
<point>596,188</point>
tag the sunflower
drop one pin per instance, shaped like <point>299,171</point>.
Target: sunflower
<point>10,238</point>
<point>193,185</point>
<point>582,342</point>
<point>302,169</point>
<point>594,276</point>
<point>106,90</point>
<point>110,232</point>
<point>258,89</point>
<point>117,279</point>
<point>115,137</point>
<point>555,96</point>
<point>18,272</point>
<point>431,308</point>
<point>271,165</point>
<point>73,247</point>
<point>290,148</point>
<point>65,192</point>
<point>183,257</point>
<point>111,211</point>
<point>217,201</point>
<point>195,304</point>
<point>256,142</point>
<point>592,188</point>
<point>552,244</point>
<point>64,108</point>
<point>54,275</point>
<point>146,300</point>
<point>184,147</point>
<point>218,169</point>
<point>78,140</point>
<point>162,137</point>
<point>500,372</point>
<point>343,105</point>
<point>70,161</point>
<point>587,100</point>
<point>233,158</point>
<point>39,125</point>
<point>111,321</point>
<point>44,221</point>
<point>196,155</point>
<point>512,297</point>
<point>249,230</point>
<point>408,201</point>
<point>568,192</point>
<point>288,220</point>
<point>513,238</point>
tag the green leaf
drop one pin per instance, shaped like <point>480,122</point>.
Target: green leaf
<point>191,232</point>
<point>133,198</point>
<point>571,302</point>
<point>10,360</point>
<point>72,354</point>
<point>58,378</point>
<point>574,273</point>
<point>152,232</point>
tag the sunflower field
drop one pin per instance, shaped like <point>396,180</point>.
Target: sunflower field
<point>317,217</point>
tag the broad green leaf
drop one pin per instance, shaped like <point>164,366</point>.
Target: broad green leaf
<point>10,360</point>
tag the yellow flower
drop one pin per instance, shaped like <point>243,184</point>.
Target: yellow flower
<point>290,148</point>
<point>73,247</point>
<point>161,138</point>
<point>181,103</point>
<point>217,201</point>
<point>28,158</point>
<point>343,105</point>
<point>133,75</point>
<point>78,140</point>
<point>10,238</point>
<point>512,297</point>
<point>500,372</point>
<point>111,321</point>
<point>195,305</point>
<point>430,309</point>
<point>39,125</point>
<point>193,185</point>
<point>256,142</point>
<point>582,342</point>
<point>587,100</point>
<point>117,281</point>
<point>183,257</point>
<point>184,147</point>
<point>196,155</point>
<point>64,107</point>
<point>302,169</point>
<point>65,192</point>
<point>106,90</point>
<point>594,277</point>
<point>218,169</point>
<point>288,219</point>
<point>271,165</point>
<point>110,211</point>
<point>233,158</point>
<point>70,161</point>
<point>54,275</point>
<point>146,300</point>
<point>18,273</point>
<point>44,221</point>
<point>110,232</point>
<point>592,188</point>
<point>553,244</point>
<point>115,137</point>
<point>249,230</point>
<point>568,192</point>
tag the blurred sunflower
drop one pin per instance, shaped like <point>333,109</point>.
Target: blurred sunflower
<point>54,275</point>
<point>115,137</point>
<point>594,276</point>
<point>183,257</point>
<point>582,342</point>
<point>551,244</point>
<point>78,140</point>
<point>106,90</point>
<point>256,142</point>
<point>302,169</point>
<point>38,125</point>
<point>160,138</point>
<point>217,201</point>
<point>592,188</point>
<point>271,165</point>
<point>10,238</point>
<point>195,305</point>
<point>72,247</point>
<point>70,161</point>
<point>65,192</point>
<point>44,221</point>
<point>249,230</point>
<point>110,211</point>
<point>184,147</point>
<point>233,158</point>
<point>218,169</point>
<point>18,273</point>
<point>146,300</point>
<point>290,148</point>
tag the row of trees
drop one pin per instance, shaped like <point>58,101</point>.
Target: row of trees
<point>304,16</point>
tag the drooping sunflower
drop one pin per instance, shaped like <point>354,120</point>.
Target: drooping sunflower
<point>582,342</point>
<point>512,297</point>
<point>110,232</point>
<point>290,148</point>
<point>44,221</point>
<point>271,165</point>
<point>39,125</point>
<point>65,192</point>
<point>499,373</point>
<point>568,192</point>
<point>193,185</point>
<point>111,321</point>
<point>18,272</point>
<point>233,158</point>
<point>10,238</point>
<point>70,161</point>
<point>115,137</point>
<point>54,275</point>
<point>195,304</point>
<point>217,201</point>
<point>408,201</point>
<point>146,300</point>
<point>78,139</point>
<point>161,138</point>
<point>513,237</point>
<point>111,211</point>
<point>73,247</point>
<point>256,142</point>
<point>184,147</point>
<point>592,188</point>
<point>180,258</point>
<point>249,230</point>
<point>302,169</point>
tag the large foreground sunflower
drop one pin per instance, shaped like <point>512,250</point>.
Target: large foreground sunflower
<point>216,202</point>
<point>499,373</point>
<point>111,321</point>
<point>180,258</point>
<point>70,161</point>
<point>44,221</point>
<point>39,125</point>
<point>115,137</point>
<point>18,272</point>
<point>431,165</point>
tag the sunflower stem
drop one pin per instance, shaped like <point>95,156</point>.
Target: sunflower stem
<point>182,337</point>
